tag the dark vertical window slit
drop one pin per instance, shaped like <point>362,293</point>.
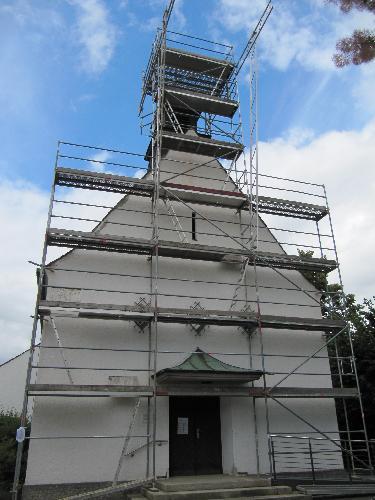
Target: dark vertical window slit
<point>194,226</point>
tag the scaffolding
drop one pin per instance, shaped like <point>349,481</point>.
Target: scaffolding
<point>193,88</point>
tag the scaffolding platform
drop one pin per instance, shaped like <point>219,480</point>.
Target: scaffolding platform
<point>84,390</point>
<point>118,391</point>
<point>110,243</point>
<point>200,102</point>
<point>85,179</point>
<point>288,208</point>
<point>198,63</point>
<point>257,392</point>
<point>89,310</point>
<point>201,145</point>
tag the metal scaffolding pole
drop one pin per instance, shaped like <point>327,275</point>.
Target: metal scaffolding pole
<point>350,342</point>
<point>338,364</point>
<point>159,120</point>
<point>20,445</point>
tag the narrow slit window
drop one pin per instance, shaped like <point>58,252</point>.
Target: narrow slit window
<point>194,226</point>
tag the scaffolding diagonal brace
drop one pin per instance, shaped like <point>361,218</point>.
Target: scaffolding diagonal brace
<point>254,37</point>
<point>175,220</point>
<point>126,442</point>
<point>61,349</point>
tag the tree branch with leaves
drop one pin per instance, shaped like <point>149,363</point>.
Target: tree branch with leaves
<point>358,48</point>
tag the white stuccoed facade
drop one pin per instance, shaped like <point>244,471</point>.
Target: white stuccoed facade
<point>71,460</point>
<point>12,387</point>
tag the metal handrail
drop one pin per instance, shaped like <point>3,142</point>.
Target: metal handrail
<point>158,442</point>
<point>304,453</point>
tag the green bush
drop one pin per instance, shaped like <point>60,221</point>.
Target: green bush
<point>9,422</point>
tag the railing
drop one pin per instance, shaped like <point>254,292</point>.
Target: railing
<point>318,458</point>
<point>158,442</point>
<point>190,44</point>
<point>200,45</point>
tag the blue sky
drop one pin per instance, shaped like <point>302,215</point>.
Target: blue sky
<point>60,82</point>
<point>71,70</point>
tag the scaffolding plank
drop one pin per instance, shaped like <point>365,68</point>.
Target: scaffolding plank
<point>88,390</point>
<point>191,251</point>
<point>201,145</point>
<point>200,63</point>
<point>96,241</point>
<point>186,316</point>
<point>296,262</point>
<point>257,392</point>
<point>200,102</point>
<point>204,196</point>
<point>307,324</point>
<point>305,392</point>
<point>84,179</point>
<point>182,389</point>
<point>288,208</point>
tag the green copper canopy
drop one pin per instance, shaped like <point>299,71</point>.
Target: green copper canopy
<point>202,367</point>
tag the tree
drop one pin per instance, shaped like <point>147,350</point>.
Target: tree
<point>360,46</point>
<point>360,318</point>
<point>9,422</point>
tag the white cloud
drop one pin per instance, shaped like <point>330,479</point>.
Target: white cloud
<point>44,23</point>
<point>98,161</point>
<point>27,13</point>
<point>363,91</point>
<point>138,174</point>
<point>308,38</point>
<point>343,161</point>
<point>23,217</point>
<point>76,103</point>
<point>123,4</point>
<point>148,24</point>
<point>95,34</point>
<point>25,29</point>
<point>179,18</point>
<point>102,162</point>
<point>23,212</point>
<point>151,23</point>
<point>299,136</point>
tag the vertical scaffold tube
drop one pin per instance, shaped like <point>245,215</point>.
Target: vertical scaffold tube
<point>23,419</point>
<point>350,341</point>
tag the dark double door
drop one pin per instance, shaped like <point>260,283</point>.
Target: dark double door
<point>194,436</point>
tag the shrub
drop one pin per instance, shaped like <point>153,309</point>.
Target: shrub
<point>9,422</point>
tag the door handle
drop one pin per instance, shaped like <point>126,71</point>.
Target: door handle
<point>197,433</point>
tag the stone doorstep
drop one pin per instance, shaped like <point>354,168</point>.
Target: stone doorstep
<point>210,482</point>
<point>206,494</point>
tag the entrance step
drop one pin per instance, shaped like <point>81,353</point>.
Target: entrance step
<point>262,492</point>
<point>210,482</point>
